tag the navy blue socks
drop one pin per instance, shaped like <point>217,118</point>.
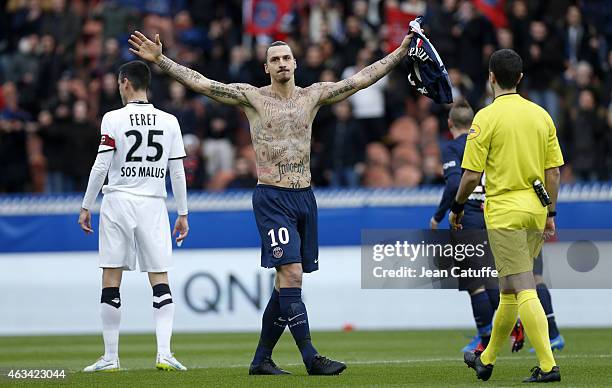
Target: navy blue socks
<point>493,297</point>
<point>294,311</point>
<point>544,296</point>
<point>483,315</point>
<point>272,327</point>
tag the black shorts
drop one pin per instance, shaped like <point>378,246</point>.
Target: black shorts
<point>287,223</point>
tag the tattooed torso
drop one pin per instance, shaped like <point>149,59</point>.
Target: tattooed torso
<point>281,127</point>
<point>281,132</point>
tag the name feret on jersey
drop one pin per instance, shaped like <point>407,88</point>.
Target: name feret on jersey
<point>143,139</point>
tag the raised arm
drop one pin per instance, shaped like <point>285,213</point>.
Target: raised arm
<point>332,92</point>
<point>232,94</point>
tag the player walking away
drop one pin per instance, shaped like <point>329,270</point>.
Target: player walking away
<point>139,143</point>
<point>484,300</point>
<point>280,116</point>
<point>514,142</point>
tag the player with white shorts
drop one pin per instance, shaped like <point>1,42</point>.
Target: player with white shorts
<point>139,145</point>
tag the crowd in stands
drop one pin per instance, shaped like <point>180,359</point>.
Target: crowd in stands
<point>58,77</point>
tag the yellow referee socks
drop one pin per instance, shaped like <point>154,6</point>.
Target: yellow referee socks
<point>504,322</point>
<point>536,327</point>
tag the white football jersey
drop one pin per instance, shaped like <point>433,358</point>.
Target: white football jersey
<point>143,139</point>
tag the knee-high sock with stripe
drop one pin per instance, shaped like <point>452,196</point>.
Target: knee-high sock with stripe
<point>536,327</point>
<point>110,312</point>
<point>163,312</point>
<point>503,324</point>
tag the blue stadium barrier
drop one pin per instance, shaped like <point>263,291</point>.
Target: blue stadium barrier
<point>48,223</point>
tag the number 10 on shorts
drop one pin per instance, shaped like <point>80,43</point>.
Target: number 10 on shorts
<point>283,236</point>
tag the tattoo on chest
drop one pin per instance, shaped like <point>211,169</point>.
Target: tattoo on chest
<point>281,134</point>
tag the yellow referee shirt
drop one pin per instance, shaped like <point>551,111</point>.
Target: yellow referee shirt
<point>513,141</point>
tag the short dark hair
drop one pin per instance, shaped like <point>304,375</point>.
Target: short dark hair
<point>507,66</point>
<point>461,114</point>
<point>274,44</point>
<point>138,73</point>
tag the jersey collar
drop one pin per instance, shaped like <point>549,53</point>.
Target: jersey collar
<point>505,94</point>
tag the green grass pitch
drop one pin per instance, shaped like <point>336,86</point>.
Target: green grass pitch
<point>375,358</point>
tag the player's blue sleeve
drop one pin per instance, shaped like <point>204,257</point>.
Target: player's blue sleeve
<point>452,177</point>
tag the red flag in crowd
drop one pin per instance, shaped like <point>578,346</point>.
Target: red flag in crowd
<point>397,26</point>
<point>493,10</point>
<point>265,16</point>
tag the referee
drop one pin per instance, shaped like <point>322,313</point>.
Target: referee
<point>514,142</point>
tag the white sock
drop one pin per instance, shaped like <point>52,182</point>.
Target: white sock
<point>111,317</point>
<point>163,312</point>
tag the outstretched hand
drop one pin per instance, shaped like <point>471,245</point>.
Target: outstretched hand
<point>144,47</point>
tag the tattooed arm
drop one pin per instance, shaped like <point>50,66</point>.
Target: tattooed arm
<point>332,92</point>
<point>233,94</point>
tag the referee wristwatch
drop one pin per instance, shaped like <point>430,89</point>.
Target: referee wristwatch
<point>552,213</point>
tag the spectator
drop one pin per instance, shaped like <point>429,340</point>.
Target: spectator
<point>324,16</point>
<point>579,39</point>
<point>368,104</point>
<point>238,69</point>
<point>217,146</point>
<point>109,95</point>
<point>180,107</point>
<point>461,86</point>
<point>194,164</point>
<point>441,23</point>
<point>49,70</point>
<point>64,25</point>
<point>82,141</point>
<point>353,41</point>
<point>111,58</point>
<point>378,177</point>
<point>587,152</point>
<point>243,176</point>
<point>519,26</point>
<point>345,148</point>
<point>476,38</point>
<point>55,141</point>
<point>407,176</point>
<point>542,68</point>
<point>310,72</point>
<point>13,141</point>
